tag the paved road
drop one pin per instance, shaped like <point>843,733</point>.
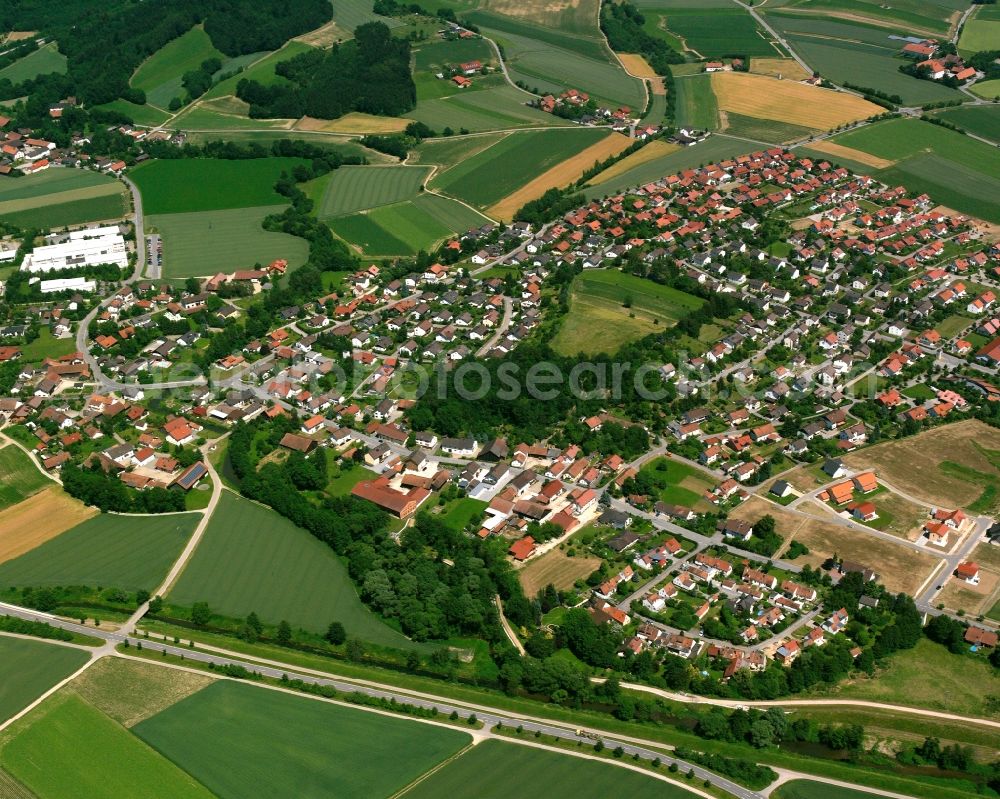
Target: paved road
<point>508,311</point>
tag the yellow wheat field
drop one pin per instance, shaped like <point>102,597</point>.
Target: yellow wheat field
<point>652,151</point>
<point>559,175</point>
<point>354,122</point>
<point>840,151</point>
<point>787,101</point>
<point>34,521</point>
<point>788,68</point>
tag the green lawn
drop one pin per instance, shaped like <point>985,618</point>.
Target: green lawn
<point>342,482</point>
<point>51,182</point>
<point>203,243</point>
<point>66,749</point>
<point>61,196</point>
<point>460,512</point>
<point>160,75</point>
<point>497,171</point>
<point>242,741</point>
<point>919,391</point>
<point>46,59</point>
<point>19,477</point>
<point>252,559</point>
<point>499,770</point>
<point>685,484</point>
<point>47,346</point>
<point>987,89</point>
<point>30,668</point>
<point>358,188</point>
<point>806,789</point>
<point>127,552</point>
<point>953,325</point>
<point>208,184</point>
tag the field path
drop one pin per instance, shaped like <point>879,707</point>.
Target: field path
<point>511,635</point>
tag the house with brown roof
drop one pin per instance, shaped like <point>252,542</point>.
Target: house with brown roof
<point>399,503</point>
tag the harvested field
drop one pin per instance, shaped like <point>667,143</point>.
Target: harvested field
<point>652,151</point>
<point>786,523</point>
<point>901,568</point>
<point>354,122</point>
<point>840,151</point>
<point>555,567</point>
<point>898,516</point>
<point>976,600</point>
<point>638,66</point>
<point>37,520</point>
<point>787,68</point>
<point>560,175</point>
<point>132,690</point>
<point>325,36</point>
<point>786,101</point>
<point>913,465</point>
<point>577,16</point>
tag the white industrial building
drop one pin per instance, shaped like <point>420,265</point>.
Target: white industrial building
<point>92,247</point>
<point>67,284</point>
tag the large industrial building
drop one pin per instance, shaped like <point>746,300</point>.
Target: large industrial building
<point>91,247</point>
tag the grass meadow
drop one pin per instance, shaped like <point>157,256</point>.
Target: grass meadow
<point>979,34</point>
<point>261,70</point>
<point>252,559</point>
<point>807,789</point>
<point>61,196</point>
<point>45,60</point>
<point>359,188</point>
<point>29,668</point>
<point>160,75</point>
<point>107,207</point>
<point>19,477</point>
<point>209,184</point>
<point>484,110</point>
<point>712,32</point>
<point>139,114</point>
<point>240,741</point>
<point>696,106</point>
<point>88,754</point>
<point>982,120</point>
<point>128,552</point>
<point>203,243</point>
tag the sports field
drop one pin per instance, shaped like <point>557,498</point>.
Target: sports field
<point>561,174</point>
<point>45,60</point>
<point>61,196</point>
<point>252,559</point>
<point>598,303</point>
<point>499,770</point>
<point>30,668</point>
<point>19,477</point>
<point>160,75</point>
<point>39,518</point>
<point>513,162</point>
<point>240,741</point>
<point>87,754</point>
<point>358,188</point>
<point>127,552</point>
<point>206,242</point>
<point>695,103</point>
<point>209,184</point>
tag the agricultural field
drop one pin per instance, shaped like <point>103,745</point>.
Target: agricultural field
<point>979,34</point>
<point>788,101</point>
<point>30,668</point>
<point>655,149</point>
<point>499,770</point>
<point>597,302</point>
<point>252,559</point>
<point>446,152</point>
<point>512,162</point>
<point>239,741</point>
<point>849,155</point>
<point>981,120</point>
<point>209,184</point>
<point>685,485</point>
<point>478,111</point>
<point>19,476</point>
<point>45,60</point>
<point>354,122</point>
<point>224,114</point>
<point>786,68</point>
<point>203,243</point>
<point>61,196</point>
<point>711,32</point>
<point>557,568</point>
<point>957,171</point>
<point>924,17</point>
<point>88,754</point>
<point>975,600</point>
<point>41,517</point>
<point>562,174</point>
<point>261,70</point>
<point>118,551</point>
<point>987,89</point>
<point>359,188</point>
<point>807,789</point>
<point>160,74</point>
<point>762,130</point>
<point>139,114</point>
<point>349,14</point>
<point>695,103</point>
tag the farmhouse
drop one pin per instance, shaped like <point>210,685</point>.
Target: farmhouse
<point>399,503</point>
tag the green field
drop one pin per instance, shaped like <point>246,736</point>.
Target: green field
<point>160,74</point>
<point>98,209</point>
<point>363,232</point>
<point>203,243</point>
<point>447,152</point>
<point>46,59</point>
<point>358,188</point>
<point>459,513</point>
<point>209,184</point>
<point>243,741</point>
<point>262,70</point>
<point>987,89</point>
<point>979,34</point>
<point>47,346</point>
<point>597,302</point>
<point>252,559</point>
<point>61,196</point>
<point>66,749</point>
<point>982,120</point>
<point>50,182</point>
<point>433,57</point>
<point>30,668</point>
<point>139,114</point>
<point>497,171</point>
<point>489,109</point>
<point>711,32</point>
<point>695,105</point>
<point>208,116</point>
<point>806,789</point>
<point>19,477</point>
<point>918,16</point>
<point>128,552</point>
<point>348,14</point>
<point>686,485</point>
<point>452,214</point>
<point>765,130</point>
<point>499,770</point>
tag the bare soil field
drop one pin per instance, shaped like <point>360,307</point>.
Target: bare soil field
<point>325,36</point>
<point>652,151</point>
<point>555,567</point>
<point>912,464</point>
<point>787,101</point>
<point>132,690</point>
<point>355,122</point>
<point>39,518</point>
<point>787,68</point>
<point>564,14</point>
<point>17,36</point>
<point>974,600</point>
<point>786,523</point>
<point>560,175</point>
<point>901,568</point>
<point>840,151</point>
<point>900,516</point>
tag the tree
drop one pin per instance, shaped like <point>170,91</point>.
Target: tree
<point>201,613</point>
<point>155,605</point>
<point>412,660</point>
<point>335,633</point>
<point>284,634</point>
<point>355,649</point>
